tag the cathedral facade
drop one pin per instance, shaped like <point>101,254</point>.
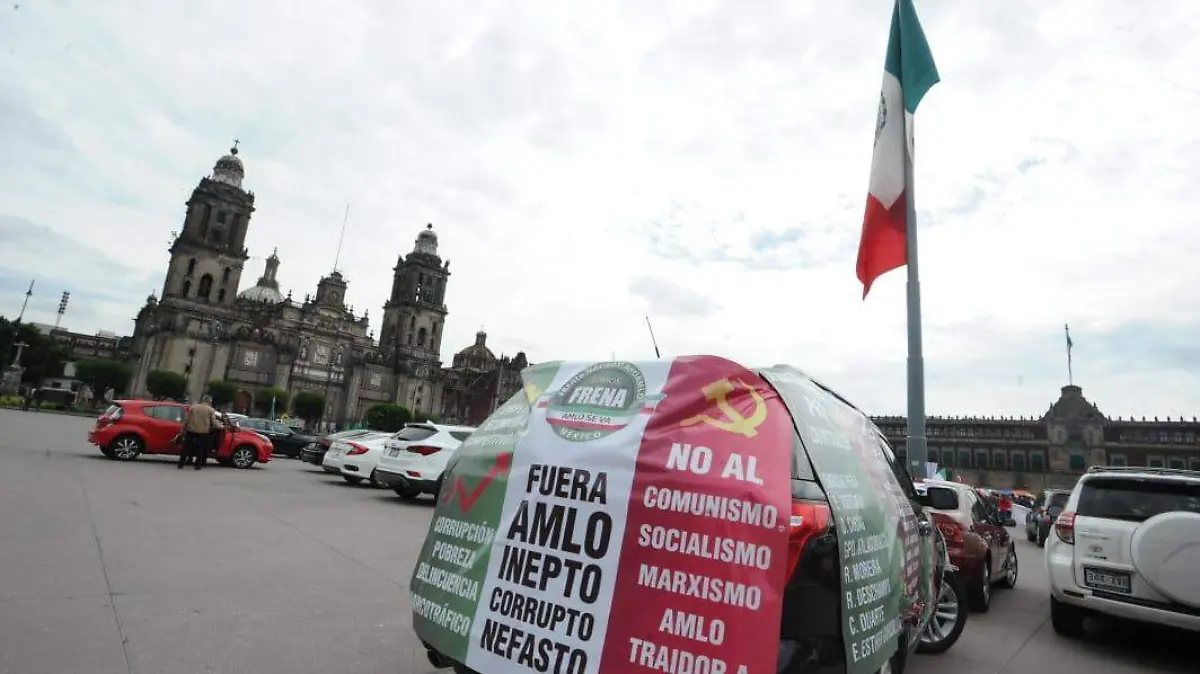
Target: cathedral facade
<point>206,327</point>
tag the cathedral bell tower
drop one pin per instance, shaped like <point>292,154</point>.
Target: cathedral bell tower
<point>415,313</point>
<point>208,254</point>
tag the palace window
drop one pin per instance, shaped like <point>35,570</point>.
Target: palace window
<point>1077,462</point>
<point>964,458</point>
<point>1018,461</point>
<point>187,288</point>
<point>221,295</point>
<point>1037,462</point>
<point>421,336</point>
<point>999,460</point>
<point>948,457</point>
<point>981,459</point>
<point>1154,462</point>
<point>1177,463</point>
<point>191,266</point>
<point>1118,460</point>
<point>205,287</point>
<point>1195,463</point>
<point>225,275</point>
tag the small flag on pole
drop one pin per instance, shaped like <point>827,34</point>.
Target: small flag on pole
<point>908,73</point>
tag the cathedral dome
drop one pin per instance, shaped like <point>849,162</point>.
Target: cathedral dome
<point>478,354</point>
<point>229,169</point>
<point>260,293</point>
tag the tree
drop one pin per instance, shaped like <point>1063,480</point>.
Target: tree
<point>222,392</point>
<point>262,400</point>
<point>308,405</point>
<point>101,374</point>
<point>388,417</point>
<point>162,384</point>
<point>41,355</point>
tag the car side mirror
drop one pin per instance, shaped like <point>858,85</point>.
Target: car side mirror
<point>923,499</point>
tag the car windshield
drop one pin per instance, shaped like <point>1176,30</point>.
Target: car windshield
<point>414,433</point>
<point>1135,500</point>
<point>942,498</point>
<point>1058,501</point>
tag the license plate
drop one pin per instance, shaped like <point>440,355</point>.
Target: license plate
<point>1110,581</point>
<point>394,451</point>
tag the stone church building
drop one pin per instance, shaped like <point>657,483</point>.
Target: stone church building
<point>206,327</point>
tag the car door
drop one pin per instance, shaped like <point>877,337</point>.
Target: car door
<point>922,580</point>
<point>982,524</point>
<point>1035,514</point>
<point>163,423</point>
<point>283,438</point>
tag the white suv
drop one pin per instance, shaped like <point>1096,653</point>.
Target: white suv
<point>414,458</point>
<point>1127,545</point>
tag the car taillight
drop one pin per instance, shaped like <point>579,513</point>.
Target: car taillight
<point>356,449</point>
<point>951,531</point>
<point>423,450</point>
<point>809,519</point>
<point>1064,526</point>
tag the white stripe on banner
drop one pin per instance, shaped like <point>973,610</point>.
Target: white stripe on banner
<point>553,596</point>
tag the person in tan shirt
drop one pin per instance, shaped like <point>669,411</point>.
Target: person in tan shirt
<point>201,427</point>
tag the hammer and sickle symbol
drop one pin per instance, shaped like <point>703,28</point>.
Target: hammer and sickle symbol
<point>718,392</point>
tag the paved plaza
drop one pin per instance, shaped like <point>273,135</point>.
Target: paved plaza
<point>118,568</point>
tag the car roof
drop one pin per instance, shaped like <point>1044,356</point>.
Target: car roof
<point>1140,473</point>
<point>946,483</point>
<point>442,427</point>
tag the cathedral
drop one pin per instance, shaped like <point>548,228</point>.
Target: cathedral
<point>202,327</point>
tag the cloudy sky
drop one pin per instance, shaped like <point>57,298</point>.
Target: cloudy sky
<point>588,163</point>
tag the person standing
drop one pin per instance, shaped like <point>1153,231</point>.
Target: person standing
<point>200,428</point>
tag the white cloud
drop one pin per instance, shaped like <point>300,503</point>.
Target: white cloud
<point>570,154</point>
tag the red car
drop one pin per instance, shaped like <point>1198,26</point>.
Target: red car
<point>130,428</point>
<point>976,540</point>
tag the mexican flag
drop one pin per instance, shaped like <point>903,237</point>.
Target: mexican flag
<point>908,72</point>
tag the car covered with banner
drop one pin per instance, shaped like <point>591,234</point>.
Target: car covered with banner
<point>620,517</point>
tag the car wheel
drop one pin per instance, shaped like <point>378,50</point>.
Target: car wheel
<point>375,481</point>
<point>1011,569</point>
<point>107,451</point>
<point>948,619</point>
<point>981,593</point>
<point>352,480</point>
<point>126,447</point>
<point>1066,619</point>
<point>408,494</point>
<point>243,456</point>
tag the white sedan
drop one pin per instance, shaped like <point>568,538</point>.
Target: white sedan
<point>355,459</point>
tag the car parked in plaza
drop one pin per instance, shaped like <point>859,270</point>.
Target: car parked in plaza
<point>1046,508</point>
<point>131,428</point>
<point>414,459</point>
<point>1126,546</point>
<point>355,459</point>
<point>314,452</point>
<point>821,630</point>
<point>284,438</point>
<point>978,543</point>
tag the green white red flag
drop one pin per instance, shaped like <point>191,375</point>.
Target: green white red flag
<point>908,73</point>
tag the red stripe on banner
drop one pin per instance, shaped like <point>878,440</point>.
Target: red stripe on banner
<point>883,246</point>
<point>696,588</point>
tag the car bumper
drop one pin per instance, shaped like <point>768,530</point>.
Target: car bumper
<point>393,480</point>
<point>1060,570</point>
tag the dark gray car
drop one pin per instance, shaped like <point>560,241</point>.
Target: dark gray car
<point>1045,510</point>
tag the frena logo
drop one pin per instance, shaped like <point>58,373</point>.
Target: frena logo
<point>598,401</point>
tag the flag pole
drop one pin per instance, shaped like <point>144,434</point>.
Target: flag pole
<point>1070,366</point>
<point>917,443</point>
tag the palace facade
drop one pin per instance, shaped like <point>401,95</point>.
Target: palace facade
<point>1052,450</point>
<point>206,326</point>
